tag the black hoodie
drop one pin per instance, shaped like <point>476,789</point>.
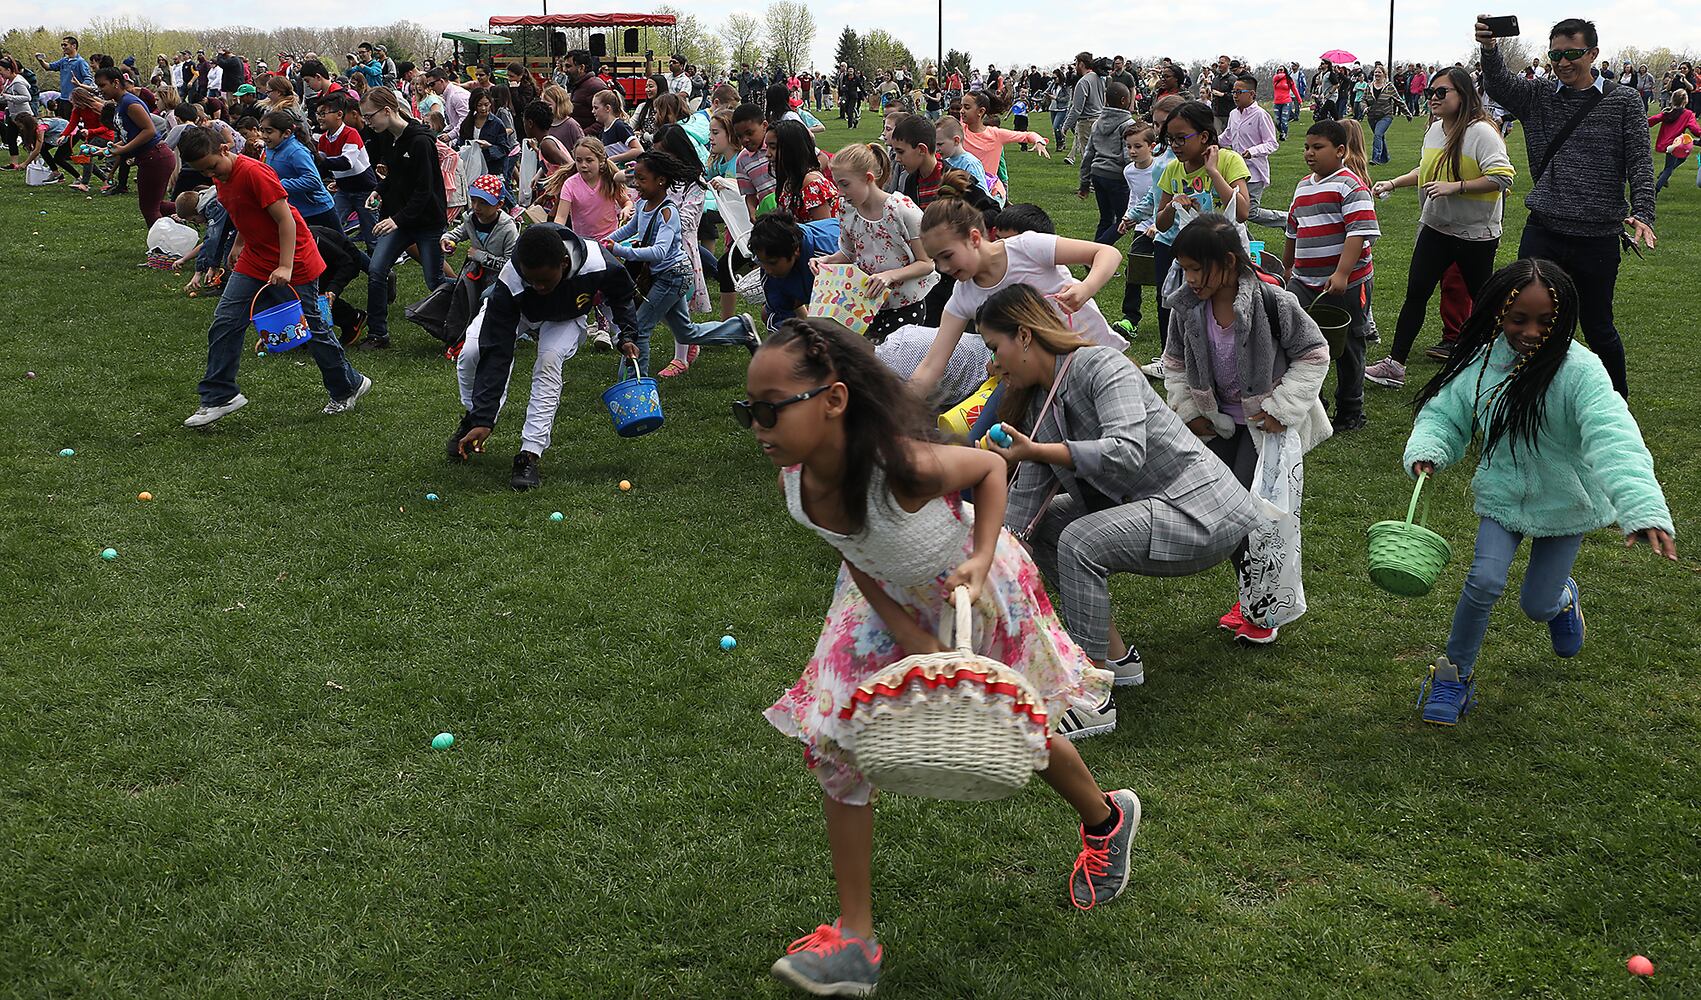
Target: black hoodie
<point>412,193</point>
<point>510,299</point>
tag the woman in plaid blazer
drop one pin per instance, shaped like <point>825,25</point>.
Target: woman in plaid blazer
<point>1109,479</point>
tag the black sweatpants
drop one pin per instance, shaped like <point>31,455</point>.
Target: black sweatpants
<point>1432,255</point>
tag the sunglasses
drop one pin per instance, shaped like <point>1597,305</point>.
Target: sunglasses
<point>1571,55</point>
<point>1439,93</point>
<point>765,414</point>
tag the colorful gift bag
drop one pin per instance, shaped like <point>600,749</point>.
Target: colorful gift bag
<point>843,292</point>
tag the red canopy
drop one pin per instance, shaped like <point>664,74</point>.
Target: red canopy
<point>585,21</point>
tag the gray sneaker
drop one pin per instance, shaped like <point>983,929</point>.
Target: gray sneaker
<point>207,414</point>
<point>1131,669</point>
<point>1080,723</point>
<point>831,963</point>
<point>1388,373</point>
<point>1101,869</point>
<point>750,328</point>
<point>337,406</point>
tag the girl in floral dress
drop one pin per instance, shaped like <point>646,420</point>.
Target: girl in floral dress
<point>880,232</point>
<point>856,468</point>
<point>800,187</point>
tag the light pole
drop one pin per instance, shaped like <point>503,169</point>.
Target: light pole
<point>939,57</point>
<point>1390,39</point>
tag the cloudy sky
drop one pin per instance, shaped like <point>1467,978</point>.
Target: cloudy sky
<point>1009,31</point>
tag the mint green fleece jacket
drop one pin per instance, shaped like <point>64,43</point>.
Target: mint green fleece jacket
<point>1588,469</point>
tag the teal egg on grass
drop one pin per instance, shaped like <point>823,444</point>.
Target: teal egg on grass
<point>431,497</point>
<point>557,516</point>
<point>442,741</point>
<point>109,554</point>
<point>66,452</point>
<point>728,642</point>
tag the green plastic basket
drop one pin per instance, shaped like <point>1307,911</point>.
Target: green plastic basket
<point>1407,558</point>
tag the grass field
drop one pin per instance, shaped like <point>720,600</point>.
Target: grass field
<point>215,772</point>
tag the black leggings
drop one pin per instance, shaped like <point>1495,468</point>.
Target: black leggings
<point>708,229</point>
<point>1433,254</point>
<point>10,135</point>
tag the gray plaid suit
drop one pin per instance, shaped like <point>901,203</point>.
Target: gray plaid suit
<point>1145,495</point>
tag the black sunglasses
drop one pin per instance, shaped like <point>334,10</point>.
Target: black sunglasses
<point>1438,93</point>
<point>765,414</point>
<point>1554,55</point>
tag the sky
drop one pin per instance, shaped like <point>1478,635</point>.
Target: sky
<point>1011,32</point>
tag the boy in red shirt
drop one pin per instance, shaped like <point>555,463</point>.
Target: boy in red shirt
<point>259,209</point>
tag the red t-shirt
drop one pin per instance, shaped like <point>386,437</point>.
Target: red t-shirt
<point>251,189</point>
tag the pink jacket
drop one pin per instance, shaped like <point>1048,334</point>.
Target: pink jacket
<point>1673,124</point>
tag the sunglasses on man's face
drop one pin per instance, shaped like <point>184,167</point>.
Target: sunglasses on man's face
<point>765,414</point>
<point>1569,55</point>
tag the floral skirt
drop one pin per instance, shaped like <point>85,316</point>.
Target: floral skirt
<point>1014,623</point>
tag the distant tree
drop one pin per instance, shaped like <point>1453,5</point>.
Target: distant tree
<point>791,31</point>
<point>962,62</point>
<point>881,51</point>
<point>743,36</point>
<point>849,50</point>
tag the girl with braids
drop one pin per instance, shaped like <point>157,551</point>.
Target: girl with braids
<point>1561,456</point>
<point>657,239</point>
<point>691,196</point>
<point>800,188</point>
<point>858,469</point>
<point>880,232</point>
<point>1461,180</point>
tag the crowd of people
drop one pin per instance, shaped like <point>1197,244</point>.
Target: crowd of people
<point>587,224</point>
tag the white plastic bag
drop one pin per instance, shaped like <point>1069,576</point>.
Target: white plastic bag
<point>529,166</point>
<point>38,173</point>
<point>1272,587</point>
<point>172,237</point>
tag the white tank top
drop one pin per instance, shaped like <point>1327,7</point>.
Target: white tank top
<point>894,545</point>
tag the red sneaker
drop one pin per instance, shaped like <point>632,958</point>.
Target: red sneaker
<point>1233,620</point>
<point>1250,633</point>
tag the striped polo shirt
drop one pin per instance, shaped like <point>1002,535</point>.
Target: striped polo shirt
<point>1325,211</point>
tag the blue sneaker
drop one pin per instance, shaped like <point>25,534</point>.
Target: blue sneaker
<point>1445,696</point>
<point>1566,629</point>
<point>831,963</point>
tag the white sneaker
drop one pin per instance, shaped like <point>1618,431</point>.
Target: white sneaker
<point>208,414</point>
<point>750,325</point>
<point>1130,670</point>
<point>1079,723</point>
<point>602,341</point>
<point>1155,369</point>
<point>337,406</point>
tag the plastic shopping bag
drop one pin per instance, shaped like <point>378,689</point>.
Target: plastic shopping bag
<point>1272,588</point>
<point>843,292</point>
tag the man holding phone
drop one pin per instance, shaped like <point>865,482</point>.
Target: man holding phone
<point>1587,139</point>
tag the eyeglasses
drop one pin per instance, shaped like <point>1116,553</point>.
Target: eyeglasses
<point>1439,93</point>
<point>1175,139</point>
<point>1570,55</point>
<point>765,414</point>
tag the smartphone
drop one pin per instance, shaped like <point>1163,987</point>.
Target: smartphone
<point>1502,27</point>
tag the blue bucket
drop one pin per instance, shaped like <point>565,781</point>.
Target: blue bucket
<point>634,404</point>
<point>281,327</point>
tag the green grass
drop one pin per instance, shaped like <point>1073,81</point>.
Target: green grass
<point>188,808</point>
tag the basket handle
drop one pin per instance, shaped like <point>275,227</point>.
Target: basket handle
<point>1411,509</point>
<point>965,630</point>
<point>261,291</point>
<point>624,361</point>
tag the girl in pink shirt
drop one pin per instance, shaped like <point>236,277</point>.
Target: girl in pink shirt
<point>986,143</point>
<point>1673,122</point>
<point>593,196</point>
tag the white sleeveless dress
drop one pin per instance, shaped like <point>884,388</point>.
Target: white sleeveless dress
<point>911,554</point>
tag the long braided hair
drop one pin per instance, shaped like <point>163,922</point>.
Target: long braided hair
<point>882,417</point>
<point>1520,401</point>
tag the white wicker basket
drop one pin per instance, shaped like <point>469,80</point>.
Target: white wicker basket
<point>950,725</point>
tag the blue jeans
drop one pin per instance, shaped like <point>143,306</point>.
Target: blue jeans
<point>1672,163</point>
<point>390,246</point>
<point>225,339</point>
<point>1542,596</point>
<point>667,303</point>
<point>1379,146</point>
<point>355,202</point>
<point>1285,113</point>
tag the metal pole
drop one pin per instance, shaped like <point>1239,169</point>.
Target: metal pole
<point>939,58</point>
<point>1390,39</point>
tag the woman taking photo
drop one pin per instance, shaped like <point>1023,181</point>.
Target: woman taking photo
<point>1381,105</point>
<point>1108,478</point>
<point>1461,179</point>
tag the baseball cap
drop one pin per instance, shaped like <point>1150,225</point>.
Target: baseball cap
<point>247,88</point>
<point>487,187</point>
